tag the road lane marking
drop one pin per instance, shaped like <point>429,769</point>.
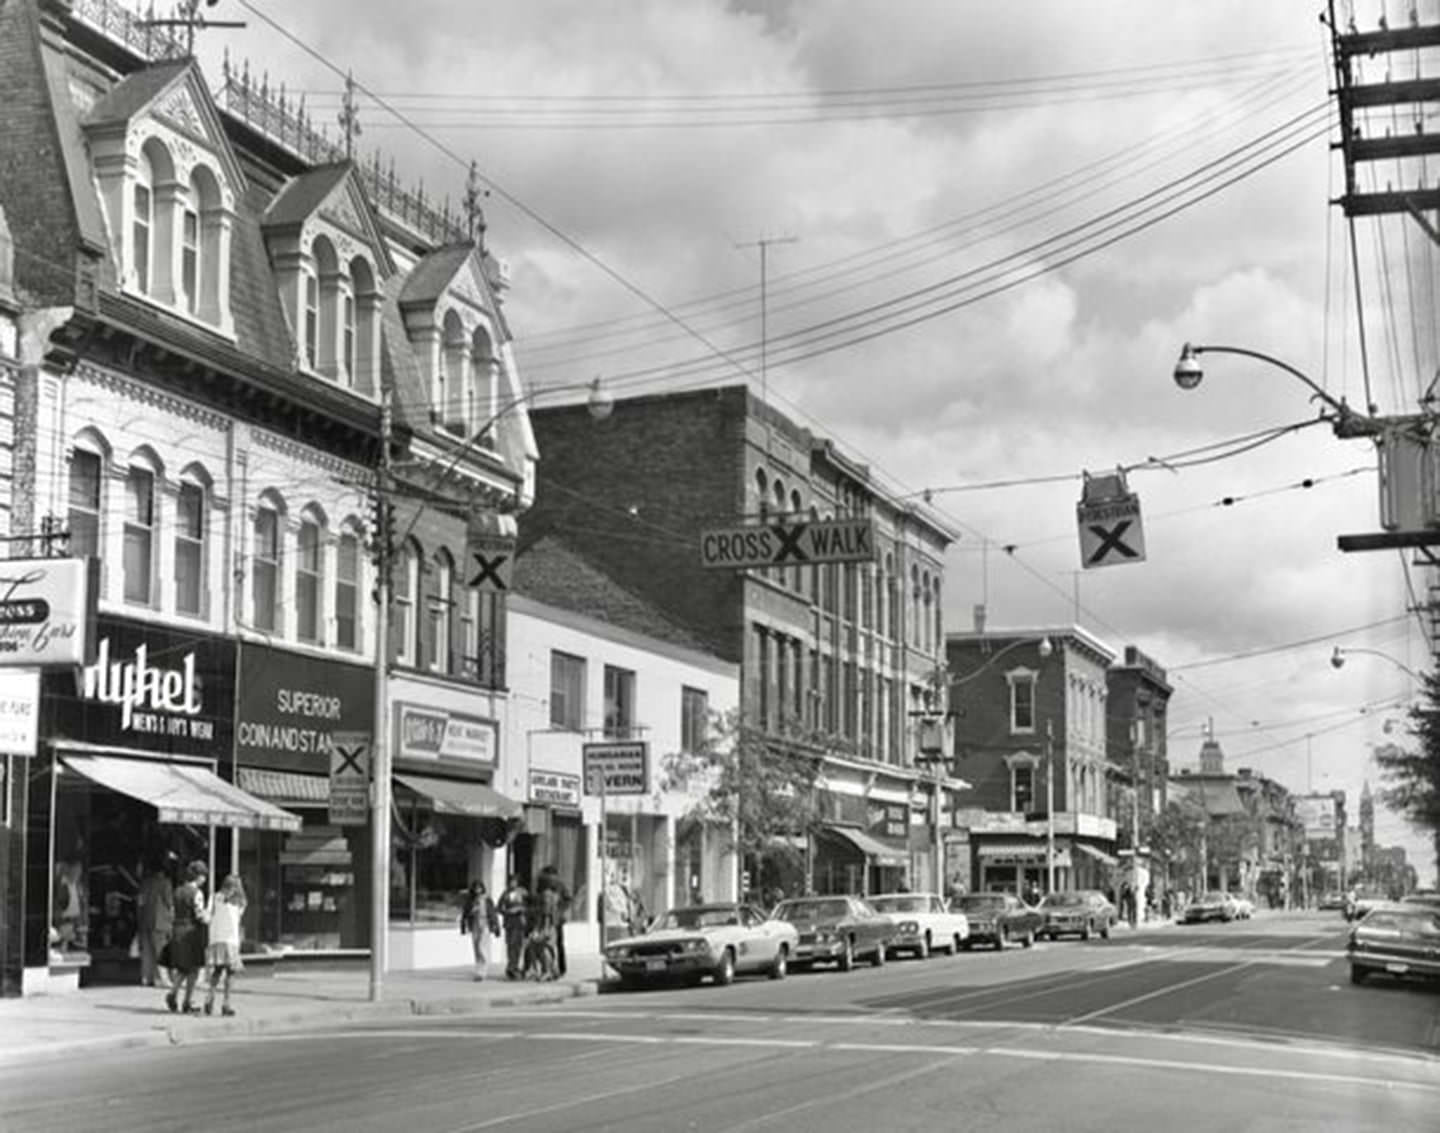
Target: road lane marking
<point>595,1036</point>
<point>737,1040</point>
<point>904,1048</point>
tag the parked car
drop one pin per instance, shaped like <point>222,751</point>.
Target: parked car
<point>922,923</point>
<point>1079,912</point>
<point>1244,907</point>
<point>718,941</point>
<point>1397,940</point>
<point>998,919</point>
<point>1212,906</point>
<point>1425,899</point>
<point>1362,901</point>
<point>836,930</point>
<point>1333,901</point>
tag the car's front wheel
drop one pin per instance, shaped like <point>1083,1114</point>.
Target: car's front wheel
<point>1357,974</point>
<point>923,951</point>
<point>781,966</point>
<point>1002,939</point>
<point>847,955</point>
<point>879,958</point>
<point>725,972</point>
<point>1105,931</point>
<point>1029,940</point>
<point>1087,932</point>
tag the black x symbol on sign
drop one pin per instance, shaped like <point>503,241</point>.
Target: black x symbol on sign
<point>489,570</point>
<point>789,543</point>
<point>349,759</point>
<point>1110,541</point>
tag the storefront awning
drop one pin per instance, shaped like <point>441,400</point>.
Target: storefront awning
<point>870,847</point>
<point>183,793</point>
<point>1098,855</point>
<point>284,786</point>
<point>473,799</point>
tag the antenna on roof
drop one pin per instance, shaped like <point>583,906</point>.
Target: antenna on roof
<point>349,116</point>
<point>192,21</point>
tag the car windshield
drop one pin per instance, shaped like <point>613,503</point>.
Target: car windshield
<point>821,910</point>
<point>1063,900</point>
<point>900,904</point>
<point>698,917</point>
<point>1415,922</point>
<point>982,903</point>
<point>1217,897</point>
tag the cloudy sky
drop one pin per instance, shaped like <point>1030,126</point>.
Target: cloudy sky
<point>993,226</point>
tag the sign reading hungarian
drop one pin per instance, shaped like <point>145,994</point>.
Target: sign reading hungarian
<point>554,788</point>
<point>349,778</point>
<point>618,768</point>
<point>47,611</point>
<point>1110,532</point>
<point>785,543</point>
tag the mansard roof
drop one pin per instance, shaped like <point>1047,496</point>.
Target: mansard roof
<point>409,399</point>
<point>434,273</point>
<point>336,192</point>
<point>134,92</point>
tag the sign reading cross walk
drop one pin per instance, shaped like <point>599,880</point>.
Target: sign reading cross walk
<point>789,542</point>
<point>349,778</point>
<point>1110,532</point>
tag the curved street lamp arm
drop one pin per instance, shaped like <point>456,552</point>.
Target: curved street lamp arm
<point>1339,406</point>
<point>1338,658</point>
<point>968,677</point>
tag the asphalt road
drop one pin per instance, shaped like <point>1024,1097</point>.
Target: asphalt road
<point>1237,1027</point>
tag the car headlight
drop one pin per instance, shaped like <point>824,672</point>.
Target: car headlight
<point>824,936</point>
<point>697,946</point>
<point>909,928</point>
<point>617,953</point>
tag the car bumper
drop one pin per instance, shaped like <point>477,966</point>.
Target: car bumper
<point>1196,916</point>
<point>664,967</point>
<point>1062,928</point>
<point>1395,965</point>
<point>815,951</point>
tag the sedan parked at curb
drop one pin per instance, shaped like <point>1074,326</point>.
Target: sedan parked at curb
<point>718,941</point>
<point>1395,940</point>
<point>1082,912</point>
<point>1213,906</point>
<point>998,919</point>
<point>836,930</point>
<point>922,923</point>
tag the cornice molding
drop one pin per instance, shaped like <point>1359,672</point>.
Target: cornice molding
<point>154,397</point>
<point>295,450</point>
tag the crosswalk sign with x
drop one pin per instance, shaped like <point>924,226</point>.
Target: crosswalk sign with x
<point>1110,532</point>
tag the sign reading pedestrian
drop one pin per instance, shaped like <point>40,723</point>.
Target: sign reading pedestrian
<point>789,543</point>
<point>349,778</point>
<point>491,557</point>
<point>619,768</point>
<point>1108,516</point>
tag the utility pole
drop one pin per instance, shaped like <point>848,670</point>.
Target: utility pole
<point>379,743</point>
<point>1050,805</point>
<point>764,244</point>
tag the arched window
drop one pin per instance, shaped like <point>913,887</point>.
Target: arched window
<point>363,308</point>
<point>407,586</point>
<point>192,517</point>
<point>322,308</point>
<point>266,561</point>
<point>87,479</point>
<point>939,618</point>
<point>310,576</point>
<point>484,380</point>
<point>205,215</point>
<point>142,524</point>
<point>441,603</point>
<point>894,610</point>
<point>452,376</point>
<point>152,201</point>
<point>915,607</point>
<point>928,599</point>
<point>347,590</point>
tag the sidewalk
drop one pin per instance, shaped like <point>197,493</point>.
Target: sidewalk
<point>293,997</point>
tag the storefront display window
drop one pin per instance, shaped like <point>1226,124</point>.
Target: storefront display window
<point>433,859</point>
<point>303,886</point>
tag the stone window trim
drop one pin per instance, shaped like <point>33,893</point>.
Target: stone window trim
<point>1016,763</point>
<point>1023,684</point>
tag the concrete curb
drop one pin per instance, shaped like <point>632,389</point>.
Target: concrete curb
<point>187,1031</point>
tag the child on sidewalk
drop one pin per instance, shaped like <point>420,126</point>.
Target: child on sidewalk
<point>222,957</point>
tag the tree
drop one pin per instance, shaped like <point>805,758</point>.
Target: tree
<point>1412,778</point>
<point>1177,835</point>
<point>758,783</point>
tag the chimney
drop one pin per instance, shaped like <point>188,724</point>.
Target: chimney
<point>978,613</point>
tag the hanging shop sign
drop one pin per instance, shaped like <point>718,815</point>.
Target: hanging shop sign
<point>1108,517</point>
<point>150,687</point>
<point>47,611</point>
<point>349,778</point>
<point>19,711</point>
<point>889,820</point>
<point>555,788</point>
<point>291,706</point>
<point>435,733</point>
<point>618,768</point>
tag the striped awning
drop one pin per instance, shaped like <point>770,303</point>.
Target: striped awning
<point>284,786</point>
<point>183,793</point>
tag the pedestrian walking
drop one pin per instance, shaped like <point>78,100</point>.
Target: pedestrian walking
<point>187,938</point>
<point>550,879</point>
<point>479,918</point>
<point>540,937</point>
<point>222,954</point>
<point>512,915</point>
<point>156,908</point>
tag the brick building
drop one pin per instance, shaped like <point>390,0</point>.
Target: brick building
<point>843,654</point>
<point>1138,695</point>
<point>1031,704</point>
<point>203,305</point>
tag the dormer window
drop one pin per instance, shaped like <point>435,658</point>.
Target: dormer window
<point>140,235</point>
<point>312,322</point>
<point>190,259</point>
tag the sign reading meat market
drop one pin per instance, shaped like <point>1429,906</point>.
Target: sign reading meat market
<point>47,611</point>
<point>290,705</point>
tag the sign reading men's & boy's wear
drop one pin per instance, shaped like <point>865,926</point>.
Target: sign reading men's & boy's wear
<point>291,705</point>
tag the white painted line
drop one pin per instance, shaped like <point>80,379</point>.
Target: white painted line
<point>594,1037</point>
<point>720,1040</point>
<point>903,1048</point>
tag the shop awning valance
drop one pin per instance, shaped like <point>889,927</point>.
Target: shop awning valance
<point>285,786</point>
<point>183,793</point>
<point>1098,855</point>
<point>869,846</point>
<point>450,796</point>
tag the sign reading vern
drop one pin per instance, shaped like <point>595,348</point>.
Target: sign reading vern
<point>47,611</point>
<point>789,544</point>
<point>621,768</point>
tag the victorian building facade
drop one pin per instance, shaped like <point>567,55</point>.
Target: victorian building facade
<point>223,324</point>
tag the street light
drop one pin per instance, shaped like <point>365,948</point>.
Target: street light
<point>1188,375</point>
<point>1337,660</point>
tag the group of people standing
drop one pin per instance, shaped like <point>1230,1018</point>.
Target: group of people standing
<point>182,934</point>
<point>532,921</point>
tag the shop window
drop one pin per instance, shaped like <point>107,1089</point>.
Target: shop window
<point>433,858</point>
<point>567,691</point>
<point>309,581</point>
<point>347,591</point>
<point>694,719</point>
<point>440,605</point>
<point>619,703</point>
<point>190,519</point>
<point>83,521</point>
<point>1022,788</point>
<point>139,536</point>
<point>265,569</point>
<point>1022,701</point>
<point>566,850</point>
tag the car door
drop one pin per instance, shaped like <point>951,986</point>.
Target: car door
<point>761,936</point>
